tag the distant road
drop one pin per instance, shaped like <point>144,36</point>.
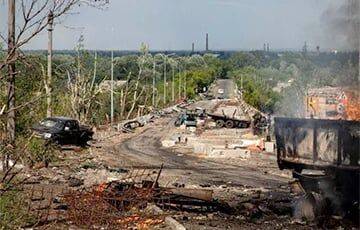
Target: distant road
<point>227,85</point>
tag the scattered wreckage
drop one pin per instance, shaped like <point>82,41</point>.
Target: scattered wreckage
<point>189,117</point>
<point>229,122</point>
<point>63,131</point>
<point>324,157</point>
<point>133,200</point>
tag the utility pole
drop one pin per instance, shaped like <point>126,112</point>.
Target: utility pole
<point>153,84</point>
<point>164,80</point>
<point>173,84</point>
<point>179,73</point>
<point>11,75</point>
<point>185,85</point>
<point>48,86</point>
<point>112,88</point>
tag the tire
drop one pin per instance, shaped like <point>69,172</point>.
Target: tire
<point>229,124</point>
<point>84,138</point>
<point>220,123</point>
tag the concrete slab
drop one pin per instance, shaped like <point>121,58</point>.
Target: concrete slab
<point>168,143</point>
<point>230,153</point>
<point>269,147</point>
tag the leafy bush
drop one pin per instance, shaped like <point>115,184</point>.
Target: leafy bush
<point>39,150</point>
<point>13,211</point>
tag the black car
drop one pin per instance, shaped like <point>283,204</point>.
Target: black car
<point>63,131</point>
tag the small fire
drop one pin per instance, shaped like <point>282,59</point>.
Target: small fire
<point>101,188</point>
<point>353,107</point>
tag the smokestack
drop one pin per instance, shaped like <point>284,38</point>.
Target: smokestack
<point>264,47</point>
<point>207,42</point>
<point>193,47</point>
<point>305,48</point>
<point>268,47</point>
<point>318,50</point>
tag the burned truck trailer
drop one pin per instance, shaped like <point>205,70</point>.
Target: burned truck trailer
<point>324,157</point>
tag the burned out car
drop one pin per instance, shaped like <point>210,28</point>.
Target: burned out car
<point>63,131</point>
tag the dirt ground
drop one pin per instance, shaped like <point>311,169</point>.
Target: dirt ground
<point>255,193</point>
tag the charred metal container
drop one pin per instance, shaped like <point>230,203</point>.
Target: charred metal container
<point>330,148</point>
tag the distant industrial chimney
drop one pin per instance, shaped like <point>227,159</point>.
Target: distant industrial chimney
<point>305,48</point>
<point>193,47</point>
<point>207,42</point>
<point>318,50</point>
<point>264,47</point>
<point>267,47</point>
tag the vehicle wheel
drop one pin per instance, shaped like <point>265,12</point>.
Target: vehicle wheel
<point>220,123</point>
<point>229,124</point>
<point>84,138</point>
<point>55,142</point>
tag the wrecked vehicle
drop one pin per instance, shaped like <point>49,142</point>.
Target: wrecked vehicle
<point>187,119</point>
<point>228,122</point>
<point>131,125</point>
<point>324,157</point>
<point>63,131</point>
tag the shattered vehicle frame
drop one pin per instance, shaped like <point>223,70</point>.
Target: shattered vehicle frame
<point>324,157</point>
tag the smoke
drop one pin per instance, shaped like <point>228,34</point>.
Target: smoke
<point>341,25</point>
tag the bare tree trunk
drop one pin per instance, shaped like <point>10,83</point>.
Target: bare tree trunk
<point>123,103</point>
<point>164,81</point>
<point>10,127</point>
<point>95,71</point>
<point>146,99</point>
<point>112,88</point>
<point>121,100</point>
<point>173,85</point>
<point>48,82</point>
<point>153,84</point>
<point>135,94</point>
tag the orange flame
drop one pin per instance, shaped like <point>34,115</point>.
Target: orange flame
<point>353,106</point>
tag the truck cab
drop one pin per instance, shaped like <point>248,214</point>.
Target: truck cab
<point>63,131</point>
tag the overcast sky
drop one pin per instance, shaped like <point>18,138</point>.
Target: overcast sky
<point>175,24</point>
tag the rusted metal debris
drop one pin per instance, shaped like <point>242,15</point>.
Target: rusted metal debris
<point>111,205</point>
<point>123,203</point>
<point>118,204</point>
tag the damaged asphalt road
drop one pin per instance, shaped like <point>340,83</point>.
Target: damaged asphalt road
<point>254,194</point>
<point>144,151</point>
<point>250,192</point>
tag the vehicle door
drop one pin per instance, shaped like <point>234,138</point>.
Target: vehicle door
<point>71,132</point>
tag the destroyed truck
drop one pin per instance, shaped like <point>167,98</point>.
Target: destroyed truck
<point>324,157</point>
<point>63,131</point>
